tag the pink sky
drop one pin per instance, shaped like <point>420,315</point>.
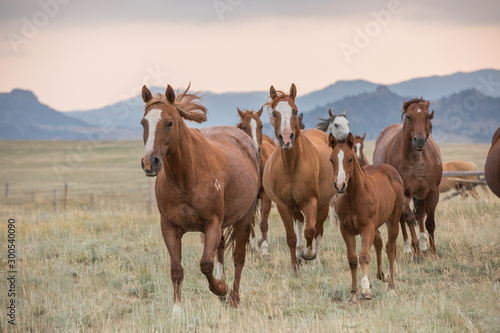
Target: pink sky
<point>88,63</point>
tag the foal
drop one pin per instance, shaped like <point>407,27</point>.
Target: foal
<point>367,199</point>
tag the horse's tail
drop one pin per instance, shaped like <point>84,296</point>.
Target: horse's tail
<point>230,234</point>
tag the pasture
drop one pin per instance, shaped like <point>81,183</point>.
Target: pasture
<point>101,265</point>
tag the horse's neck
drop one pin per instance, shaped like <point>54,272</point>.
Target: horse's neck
<point>357,180</point>
<point>180,160</point>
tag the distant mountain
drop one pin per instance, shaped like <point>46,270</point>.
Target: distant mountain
<point>23,117</point>
<point>467,116</point>
<point>370,108</point>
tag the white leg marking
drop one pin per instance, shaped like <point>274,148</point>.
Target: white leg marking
<point>365,285</point>
<point>286,114</point>
<point>253,127</point>
<point>177,311</point>
<point>220,272</point>
<point>407,246</point>
<point>254,243</point>
<point>422,241</point>
<point>300,242</point>
<point>317,262</point>
<point>264,248</point>
<point>153,117</point>
<point>308,252</point>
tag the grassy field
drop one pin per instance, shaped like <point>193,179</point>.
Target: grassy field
<point>101,264</point>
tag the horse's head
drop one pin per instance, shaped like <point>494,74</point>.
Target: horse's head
<point>359,142</point>
<point>336,124</point>
<point>252,125</point>
<point>285,118</point>
<point>342,159</point>
<point>301,122</point>
<point>417,124</point>
<point>163,124</point>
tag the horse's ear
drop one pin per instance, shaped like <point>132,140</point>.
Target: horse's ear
<point>350,140</point>
<point>272,92</point>
<point>364,136</point>
<point>330,113</point>
<point>345,112</point>
<point>293,91</point>
<point>170,94</point>
<point>431,115</point>
<point>427,104</point>
<point>146,94</point>
<point>301,116</point>
<point>259,113</point>
<point>240,113</point>
<point>331,140</point>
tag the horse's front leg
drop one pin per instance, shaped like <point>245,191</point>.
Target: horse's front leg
<point>350,244</point>
<point>172,237</point>
<point>367,238</point>
<point>213,234</point>
<point>291,238</point>
<point>265,209</point>
<point>320,222</point>
<point>310,212</point>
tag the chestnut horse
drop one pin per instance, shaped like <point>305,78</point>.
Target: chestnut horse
<point>411,150</point>
<point>207,180</point>
<point>367,199</point>
<point>252,125</point>
<point>297,177</point>
<point>492,165</point>
<point>449,183</point>
<point>359,144</point>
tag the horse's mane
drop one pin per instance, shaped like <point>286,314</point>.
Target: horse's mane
<point>188,105</point>
<point>323,123</point>
<point>407,104</point>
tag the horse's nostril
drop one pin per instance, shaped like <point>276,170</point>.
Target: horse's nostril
<point>142,164</point>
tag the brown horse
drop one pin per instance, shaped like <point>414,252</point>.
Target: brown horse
<point>411,150</point>
<point>359,144</point>
<point>367,199</point>
<point>301,123</point>
<point>297,177</point>
<point>449,183</point>
<point>207,180</point>
<point>492,165</point>
<point>252,125</point>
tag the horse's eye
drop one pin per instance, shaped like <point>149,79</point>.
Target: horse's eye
<point>295,111</point>
<point>261,126</point>
<point>243,128</point>
<point>336,125</point>
<point>331,161</point>
<point>170,123</point>
<point>142,123</point>
<point>408,118</point>
<point>350,160</point>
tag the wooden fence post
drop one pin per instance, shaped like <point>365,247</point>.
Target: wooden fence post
<point>151,195</point>
<point>55,200</point>
<point>65,194</point>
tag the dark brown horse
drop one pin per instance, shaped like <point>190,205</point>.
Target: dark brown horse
<point>252,125</point>
<point>206,181</point>
<point>301,123</point>
<point>411,150</point>
<point>297,177</point>
<point>359,144</point>
<point>367,199</point>
<point>492,165</point>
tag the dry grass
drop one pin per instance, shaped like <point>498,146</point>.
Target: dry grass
<point>103,266</point>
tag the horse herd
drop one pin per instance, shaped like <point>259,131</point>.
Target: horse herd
<point>211,181</point>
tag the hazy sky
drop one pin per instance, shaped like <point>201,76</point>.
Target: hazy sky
<point>77,54</point>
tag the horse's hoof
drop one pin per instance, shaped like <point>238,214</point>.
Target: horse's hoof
<point>353,299</point>
<point>367,296</point>
<point>306,258</point>
<point>224,296</point>
<point>382,277</point>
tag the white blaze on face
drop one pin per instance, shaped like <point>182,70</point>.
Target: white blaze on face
<point>418,111</point>
<point>286,115</point>
<point>153,117</point>
<point>253,127</point>
<point>358,150</point>
<point>341,174</point>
